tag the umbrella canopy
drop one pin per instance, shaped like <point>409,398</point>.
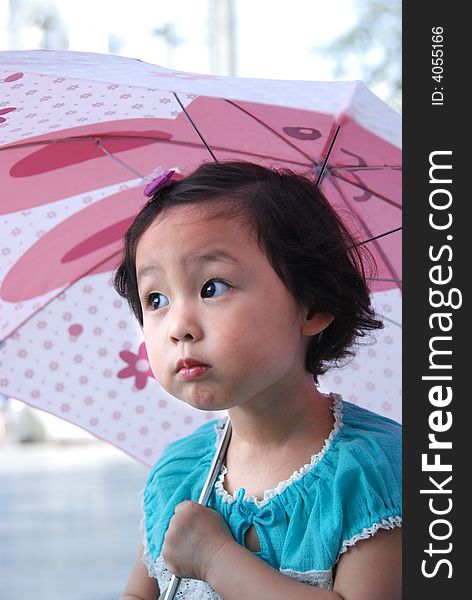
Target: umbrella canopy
<point>79,133</point>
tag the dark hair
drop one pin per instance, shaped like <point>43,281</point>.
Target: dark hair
<point>306,242</point>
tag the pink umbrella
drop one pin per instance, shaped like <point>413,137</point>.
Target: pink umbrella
<point>79,133</point>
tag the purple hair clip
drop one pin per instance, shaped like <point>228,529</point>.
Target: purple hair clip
<point>158,183</point>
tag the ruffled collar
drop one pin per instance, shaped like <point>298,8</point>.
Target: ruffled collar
<point>337,409</point>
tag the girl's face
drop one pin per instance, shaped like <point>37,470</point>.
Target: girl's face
<point>221,329</point>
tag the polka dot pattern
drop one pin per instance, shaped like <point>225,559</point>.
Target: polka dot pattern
<point>86,102</point>
<point>78,364</point>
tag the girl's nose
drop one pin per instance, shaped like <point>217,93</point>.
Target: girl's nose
<point>184,327</point>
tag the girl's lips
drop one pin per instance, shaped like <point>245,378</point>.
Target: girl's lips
<point>192,372</point>
<point>190,368</point>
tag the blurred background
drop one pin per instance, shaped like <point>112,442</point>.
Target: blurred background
<point>69,506</point>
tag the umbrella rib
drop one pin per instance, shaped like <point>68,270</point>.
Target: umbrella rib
<point>391,321</point>
<point>368,168</point>
<point>154,140</point>
<point>376,237</point>
<point>118,160</point>
<point>195,127</point>
<point>84,138</point>
<point>372,238</point>
<point>272,130</point>
<point>366,189</point>
<point>384,279</point>
<point>325,162</point>
<point>382,253</point>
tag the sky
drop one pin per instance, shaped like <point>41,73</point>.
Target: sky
<point>275,38</point>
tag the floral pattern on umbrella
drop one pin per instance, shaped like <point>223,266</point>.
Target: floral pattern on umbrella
<point>138,366</point>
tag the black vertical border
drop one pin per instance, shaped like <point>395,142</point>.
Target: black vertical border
<point>428,128</point>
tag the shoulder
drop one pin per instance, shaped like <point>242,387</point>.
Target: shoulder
<point>364,466</point>
<point>370,439</point>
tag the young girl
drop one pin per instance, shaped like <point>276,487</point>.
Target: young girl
<point>248,286</point>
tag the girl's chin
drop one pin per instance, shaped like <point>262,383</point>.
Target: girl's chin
<point>205,405</point>
<point>204,402</point>
<point>198,395</point>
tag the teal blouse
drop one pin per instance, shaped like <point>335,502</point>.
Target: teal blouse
<point>347,492</point>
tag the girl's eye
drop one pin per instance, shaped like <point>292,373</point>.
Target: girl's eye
<point>156,300</point>
<point>214,288</point>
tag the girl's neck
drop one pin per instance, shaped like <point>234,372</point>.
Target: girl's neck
<point>289,419</point>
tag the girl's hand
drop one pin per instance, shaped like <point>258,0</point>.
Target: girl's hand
<point>195,536</point>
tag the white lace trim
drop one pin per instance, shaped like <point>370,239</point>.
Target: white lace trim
<point>189,589</point>
<point>337,409</point>
<point>319,579</point>
<point>368,532</point>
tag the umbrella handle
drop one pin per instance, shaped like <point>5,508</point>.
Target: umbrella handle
<point>171,590</point>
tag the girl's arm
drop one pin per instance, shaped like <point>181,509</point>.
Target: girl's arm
<point>140,586</point>
<point>370,570</point>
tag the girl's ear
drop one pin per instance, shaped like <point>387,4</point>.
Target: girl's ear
<point>315,322</point>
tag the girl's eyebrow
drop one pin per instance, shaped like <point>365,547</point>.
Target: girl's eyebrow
<point>208,257</point>
<point>213,256</point>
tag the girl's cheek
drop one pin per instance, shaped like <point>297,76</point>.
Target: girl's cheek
<point>152,343</point>
<point>156,364</point>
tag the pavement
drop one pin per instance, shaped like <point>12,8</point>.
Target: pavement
<point>69,520</point>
